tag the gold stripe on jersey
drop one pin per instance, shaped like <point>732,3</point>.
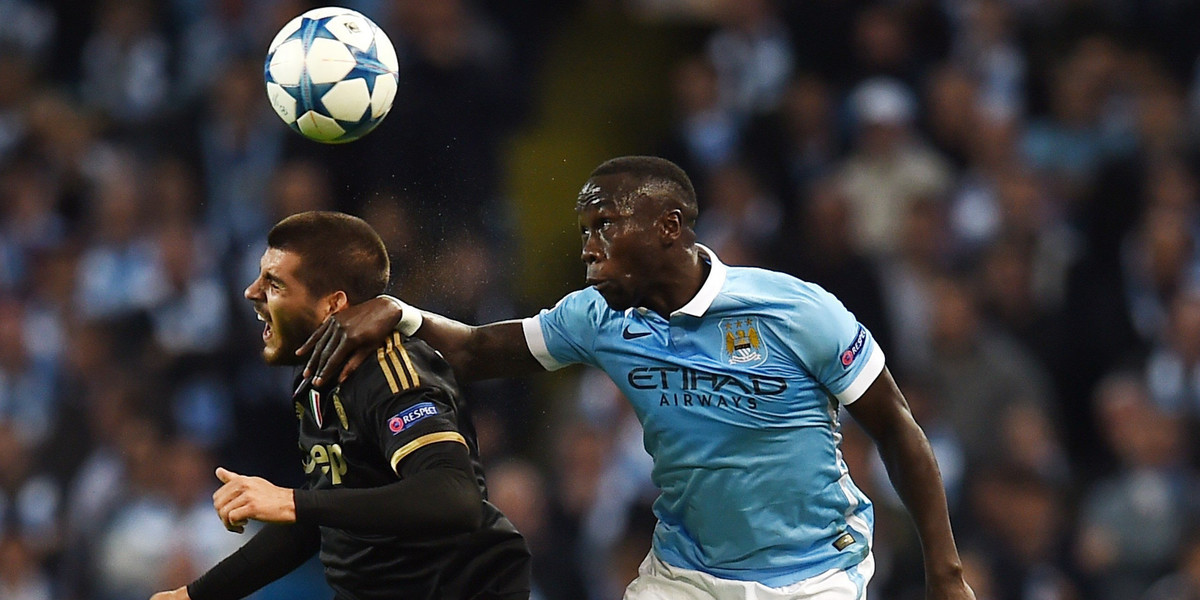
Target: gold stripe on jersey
<point>412,373</point>
<point>341,411</point>
<point>425,440</point>
<point>401,374</point>
<point>387,371</point>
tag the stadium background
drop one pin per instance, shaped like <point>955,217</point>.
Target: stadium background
<point>1004,191</point>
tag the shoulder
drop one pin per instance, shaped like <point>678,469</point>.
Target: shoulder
<point>582,305</point>
<point>398,366</point>
<point>586,298</point>
<point>773,288</point>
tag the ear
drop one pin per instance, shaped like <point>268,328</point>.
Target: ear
<point>670,226</point>
<point>335,302</point>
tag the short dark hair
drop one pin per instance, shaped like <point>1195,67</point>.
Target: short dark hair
<point>337,252</point>
<point>658,170</point>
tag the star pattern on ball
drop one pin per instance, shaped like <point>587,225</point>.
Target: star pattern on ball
<point>331,75</point>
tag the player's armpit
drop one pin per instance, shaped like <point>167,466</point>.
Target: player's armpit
<point>437,495</point>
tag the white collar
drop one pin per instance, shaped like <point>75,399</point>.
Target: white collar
<point>698,305</point>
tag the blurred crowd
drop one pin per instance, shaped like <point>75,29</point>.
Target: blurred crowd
<point>1004,191</point>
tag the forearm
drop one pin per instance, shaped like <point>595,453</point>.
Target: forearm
<point>456,341</point>
<point>479,352</point>
<point>884,414</point>
<point>272,553</point>
<point>436,496</point>
<point>914,473</point>
<point>429,504</point>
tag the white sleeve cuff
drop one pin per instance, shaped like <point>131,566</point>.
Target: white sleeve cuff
<point>410,317</point>
<point>536,340</point>
<point>865,378</point>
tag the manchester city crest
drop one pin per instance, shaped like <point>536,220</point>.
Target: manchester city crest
<point>743,343</point>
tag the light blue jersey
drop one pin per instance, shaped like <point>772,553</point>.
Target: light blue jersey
<point>738,395</point>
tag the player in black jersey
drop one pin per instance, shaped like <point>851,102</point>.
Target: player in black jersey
<point>395,500</point>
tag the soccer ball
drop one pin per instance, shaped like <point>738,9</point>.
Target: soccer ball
<point>331,74</point>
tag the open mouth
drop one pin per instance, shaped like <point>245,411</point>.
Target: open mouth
<point>267,331</point>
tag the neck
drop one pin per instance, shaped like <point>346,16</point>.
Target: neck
<point>681,280</point>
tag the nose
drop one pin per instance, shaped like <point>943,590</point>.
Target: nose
<point>253,291</point>
<point>591,250</point>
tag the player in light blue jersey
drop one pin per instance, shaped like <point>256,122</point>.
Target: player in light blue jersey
<point>737,376</point>
<point>730,389</point>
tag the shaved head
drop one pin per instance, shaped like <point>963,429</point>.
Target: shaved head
<point>644,178</point>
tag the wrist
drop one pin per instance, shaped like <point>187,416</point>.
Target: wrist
<point>301,502</point>
<point>947,571</point>
<point>290,508</point>
<point>410,317</point>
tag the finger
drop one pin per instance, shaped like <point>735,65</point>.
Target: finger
<point>240,515</point>
<point>226,512</point>
<point>315,338</point>
<point>337,339</point>
<point>355,361</point>
<point>223,508</point>
<point>332,358</point>
<point>229,492</point>
<point>230,526</point>
<point>316,342</point>
<point>225,475</point>
<point>223,496</point>
<point>314,358</point>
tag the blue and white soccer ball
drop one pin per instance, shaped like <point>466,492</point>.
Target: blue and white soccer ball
<point>331,74</point>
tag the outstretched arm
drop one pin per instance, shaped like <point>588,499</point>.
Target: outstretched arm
<point>349,337</point>
<point>884,413</point>
<point>274,552</point>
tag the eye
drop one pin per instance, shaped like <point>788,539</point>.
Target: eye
<point>600,224</point>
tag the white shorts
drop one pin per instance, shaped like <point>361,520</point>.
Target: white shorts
<point>657,580</point>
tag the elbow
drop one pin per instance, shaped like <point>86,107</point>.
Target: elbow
<point>462,361</point>
<point>897,437</point>
<point>900,430</point>
<point>454,506</point>
<point>465,513</point>
<point>474,517</point>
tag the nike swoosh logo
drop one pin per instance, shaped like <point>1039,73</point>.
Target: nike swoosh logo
<point>629,335</point>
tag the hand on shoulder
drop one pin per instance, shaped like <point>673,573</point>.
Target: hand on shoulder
<point>348,337</point>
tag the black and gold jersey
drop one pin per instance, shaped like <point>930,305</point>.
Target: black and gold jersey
<point>356,435</point>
